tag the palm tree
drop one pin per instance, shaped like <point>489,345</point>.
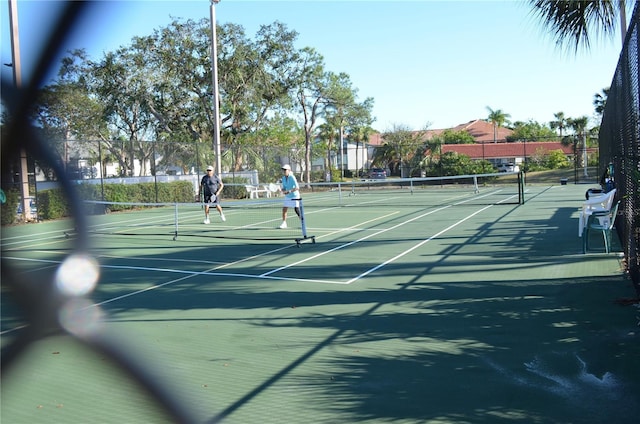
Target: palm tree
<point>579,125</point>
<point>498,118</point>
<point>600,100</point>
<point>560,123</point>
<point>572,22</point>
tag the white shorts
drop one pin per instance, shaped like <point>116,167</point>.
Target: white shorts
<point>291,203</point>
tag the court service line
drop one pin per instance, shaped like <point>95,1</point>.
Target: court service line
<point>224,265</point>
<point>375,268</point>
<point>210,272</point>
<point>356,241</point>
<point>30,240</point>
<point>179,271</point>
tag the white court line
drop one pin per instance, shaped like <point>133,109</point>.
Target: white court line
<point>383,231</point>
<point>189,274</point>
<point>357,241</point>
<point>375,268</point>
<point>30,240</point>
<point>211,272</point>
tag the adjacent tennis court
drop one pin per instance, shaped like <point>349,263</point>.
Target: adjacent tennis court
<point>397,304</point>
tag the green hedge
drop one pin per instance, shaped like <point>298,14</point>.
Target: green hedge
<point>52,204</point>
<point>235,191</point>
<point>8,211</point>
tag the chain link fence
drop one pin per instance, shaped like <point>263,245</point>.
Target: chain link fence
<point>619,141</point>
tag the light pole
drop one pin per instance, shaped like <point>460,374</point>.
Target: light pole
<point>216,92</point>
<point>17,81</point>
<point>585,158</point>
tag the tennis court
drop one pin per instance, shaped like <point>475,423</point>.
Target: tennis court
<point>406,306</point>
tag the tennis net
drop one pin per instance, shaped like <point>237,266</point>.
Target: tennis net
<point>481,189</point>
<point>249,219</point>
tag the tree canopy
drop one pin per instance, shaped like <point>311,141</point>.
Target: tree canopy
<point>160,88</point>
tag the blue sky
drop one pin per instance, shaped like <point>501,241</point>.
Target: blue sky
<point>425,63</point>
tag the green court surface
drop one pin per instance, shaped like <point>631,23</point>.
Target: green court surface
<point>394,309</point>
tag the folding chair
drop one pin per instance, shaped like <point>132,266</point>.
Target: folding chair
<point>602,221</point>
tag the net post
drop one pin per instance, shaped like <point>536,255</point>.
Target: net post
<point>175,216</point>
<point>521,187</point>
<point>302,221</point>
<point>304,227</point>
<point>475,184</point>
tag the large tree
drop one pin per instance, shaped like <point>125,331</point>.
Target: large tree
<point>343,112</point>
<point>311,93</point>
<point>159,88</point>
<point>401,145</point>
<point>531,131</point>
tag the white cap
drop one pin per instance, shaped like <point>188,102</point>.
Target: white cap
<point>286,167</point>
<point>209,168</point>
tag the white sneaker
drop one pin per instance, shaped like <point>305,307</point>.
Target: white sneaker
<point>206,220</point>
<point>222,217</point>
<point>283,225</point>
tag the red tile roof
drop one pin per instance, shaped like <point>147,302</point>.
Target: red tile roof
<point>506,150</point>
<point>484,147</point>
<point>482,131</point>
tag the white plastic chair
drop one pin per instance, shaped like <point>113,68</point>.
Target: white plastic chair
<point>595,204</point>
<point>602,221</point>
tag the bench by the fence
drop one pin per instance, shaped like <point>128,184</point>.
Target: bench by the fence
<point>254,191</point>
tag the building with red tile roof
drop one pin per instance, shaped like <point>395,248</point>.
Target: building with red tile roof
<point>482,131</point>
<point>507,152</point>
<point>485,148</point>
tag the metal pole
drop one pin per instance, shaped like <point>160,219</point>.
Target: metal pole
<point>341,152</point>
<point>102,170</point>
<point>17,81</point>
<point>155,171</point>
<point>216,92</point>
<point>623,20</point>
<point>584,153</point>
